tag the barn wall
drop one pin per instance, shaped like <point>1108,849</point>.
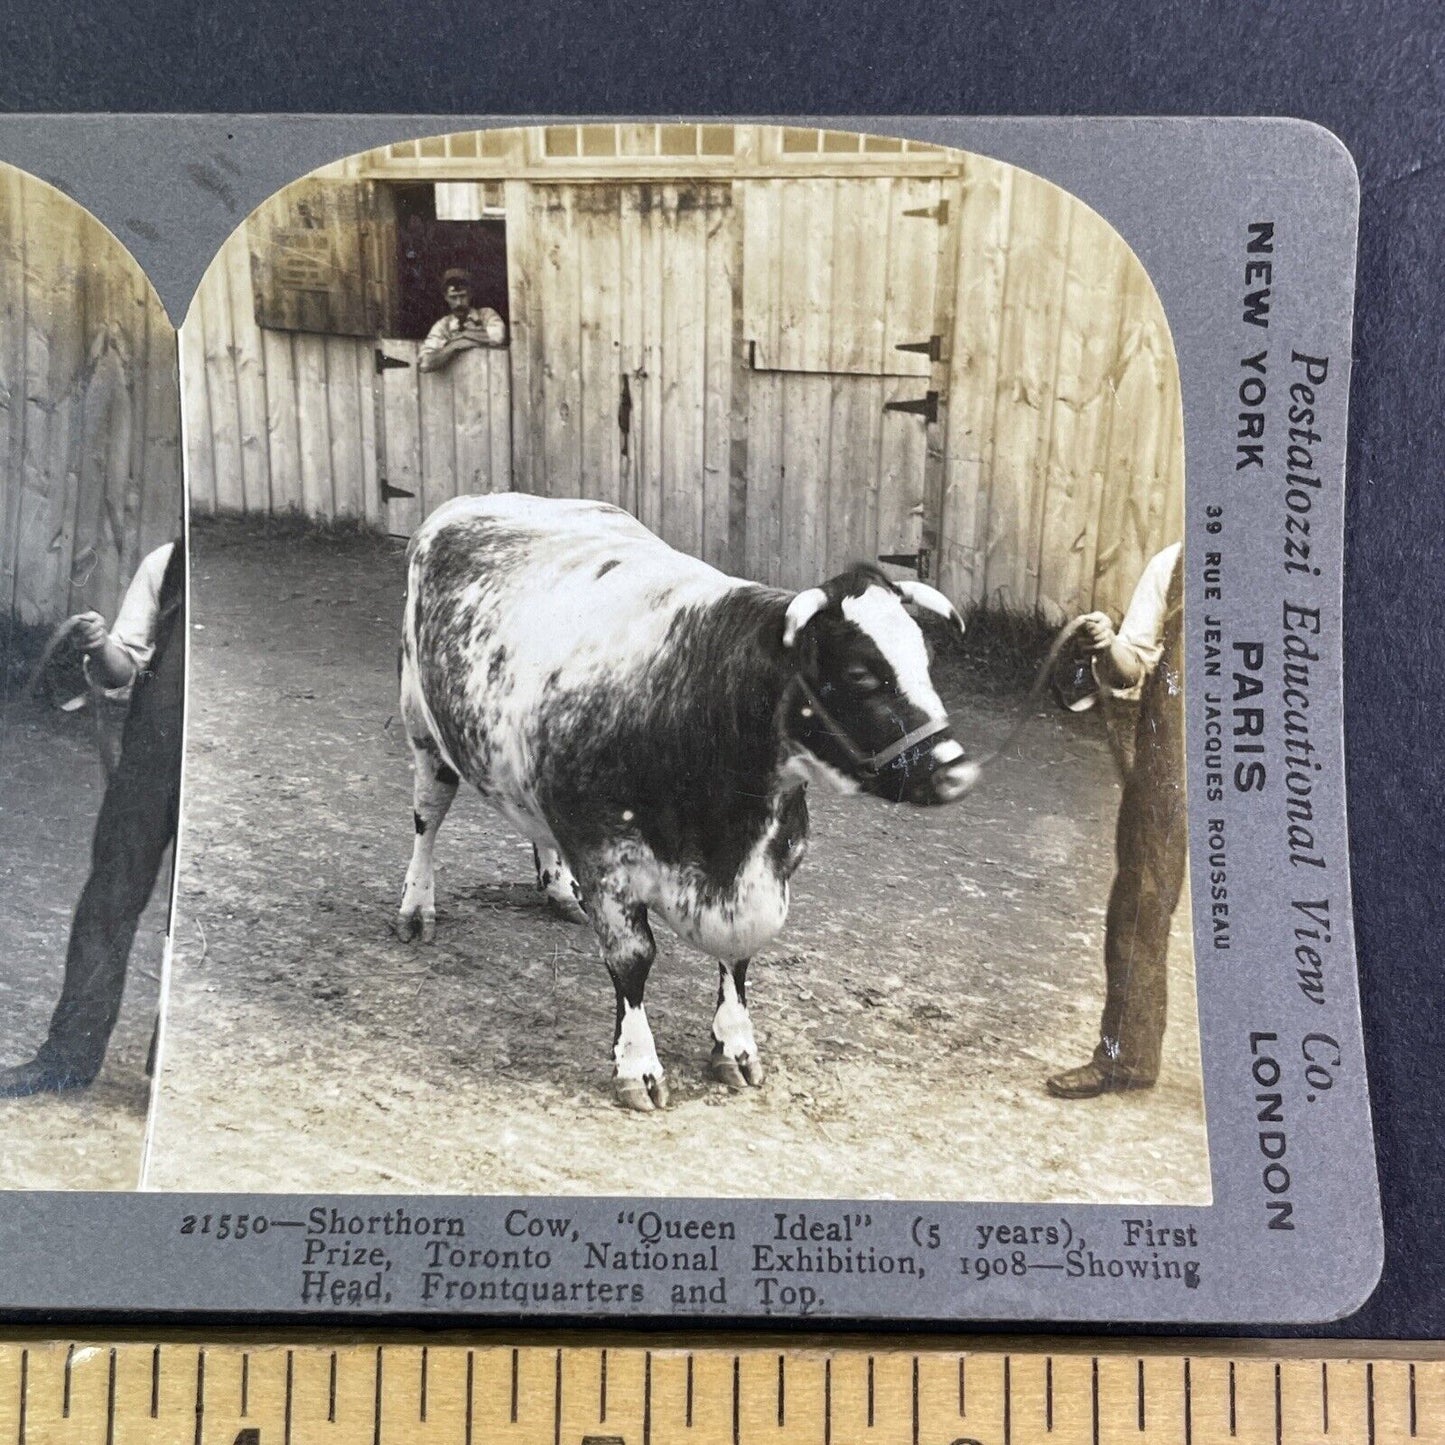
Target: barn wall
<point>757,320</point>
<point>89,409</point>
<point>1063,439</point>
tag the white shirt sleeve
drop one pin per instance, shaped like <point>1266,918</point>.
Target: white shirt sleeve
<point>1142,630</point>
<point>135,623</point>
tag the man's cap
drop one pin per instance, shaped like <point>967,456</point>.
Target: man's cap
<point>455,276</point>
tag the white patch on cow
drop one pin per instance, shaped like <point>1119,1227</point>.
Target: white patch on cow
<point>895,634</point>
<point>558,882</point>
<point>731,1026</point>
<point>634,1056</point>
<point>736,922</point>
<point>948,751</point>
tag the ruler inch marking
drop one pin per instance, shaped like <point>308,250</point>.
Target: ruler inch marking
<point>24,1394</point>
<point>557,1401</point>
<point>376,1412</point>
<point>602,1392</point>
<point>782,1392</point>
<point>514,1386</point>
<point>200,1394</point>
<point>1412,1400</point>
<point>962,1385</point>
<point>331,1392</point>
<point>1370,1402</point>
<point>421,1404</point>
<point>1007,1402</point>
<point>1049,1393</point>
<point>1233,1417</point>
<point>65,1397</point>
<point>286,1419</point>
<point>110,1400</point>
<point>471,1376</point>
<point>646,1399</point>
<point>1139,1391</point>
<point>915,1398</point>
<point>1325,1395</point>
<point>1188,1403</point>
<point>155,1382</point>
<point>737,1399</point>
<point>1094,1393</point>
<point>870,1393</point>
<point>689,1392</point>
<point>245,1383</point>
<point>828,1401</point>
<point>1278,1406</point>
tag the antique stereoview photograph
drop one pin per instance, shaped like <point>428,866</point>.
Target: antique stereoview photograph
<point>92,674</point>
<point>686,683</point>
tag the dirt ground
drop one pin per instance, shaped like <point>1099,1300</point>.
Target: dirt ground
<point>937,963</point>
<point>51,785</point>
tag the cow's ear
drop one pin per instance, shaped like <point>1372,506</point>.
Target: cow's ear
<point>931,600</point>
<point>801,610</point>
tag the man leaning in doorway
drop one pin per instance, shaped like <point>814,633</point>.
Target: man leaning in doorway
<point>463,327</point>
<point>1143,658</point>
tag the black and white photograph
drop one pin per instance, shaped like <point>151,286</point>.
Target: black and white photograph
<point>686,689</point>
<point>92,677</point>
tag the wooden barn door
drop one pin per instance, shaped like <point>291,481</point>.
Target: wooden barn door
<point>623,312</point>
<point>439,434</point>
<point>847,291</point>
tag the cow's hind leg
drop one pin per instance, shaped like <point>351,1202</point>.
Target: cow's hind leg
<point>434,785</point>
<point>628,950</point>
<point>735,1059</point>
<point>554,878</point>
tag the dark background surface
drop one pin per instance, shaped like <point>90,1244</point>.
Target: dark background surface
<point>1374,74</point>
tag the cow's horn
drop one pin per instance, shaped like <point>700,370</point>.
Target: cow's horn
<point>931,600</point>
<point>801,610</point>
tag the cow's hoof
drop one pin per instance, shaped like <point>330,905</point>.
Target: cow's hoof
<point>643,1095</point>
<point>740,1073</point>
<point>415,925</point>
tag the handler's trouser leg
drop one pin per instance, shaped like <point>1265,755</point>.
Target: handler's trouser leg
<point>1151,845</point>
<point>136,825</point>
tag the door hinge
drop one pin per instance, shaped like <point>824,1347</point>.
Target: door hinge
<point>386,363</point>
<point>918,560</point>
<point>937,213</point>
<point>388,491</point>
<point>932,348</point>
<point>925,406</point>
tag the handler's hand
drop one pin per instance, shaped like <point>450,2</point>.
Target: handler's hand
<point>1098,628</point>
<point>90,631</point>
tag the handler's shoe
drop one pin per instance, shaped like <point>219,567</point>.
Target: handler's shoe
<point>39,1076</point>
<point>1090,1080</point>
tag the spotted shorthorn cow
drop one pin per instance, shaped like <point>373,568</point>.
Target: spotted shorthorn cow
<point>651,724</point>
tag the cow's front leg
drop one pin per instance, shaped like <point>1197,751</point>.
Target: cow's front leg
<point>628,950</point>
<point>434,785</point>
<point>554,878</point>
<point>735,1060</point>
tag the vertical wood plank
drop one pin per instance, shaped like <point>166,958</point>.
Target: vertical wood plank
<point>196,405</point>
<point>347,396</point>
<point>234,293</point>
<point>13,329</point>
<point>401,438</point>
<point>655,362</point>
<point>1088,348</point>
<point>313,424</point>
<point>161,483</point>
<point>716,342</point>
<point>283,421</point>
<point>37,523</point>
<point>599,265</point>
<point>522,254</point>
<point>221,390</point>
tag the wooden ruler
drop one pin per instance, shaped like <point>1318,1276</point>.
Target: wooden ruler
<point>569,1390</point>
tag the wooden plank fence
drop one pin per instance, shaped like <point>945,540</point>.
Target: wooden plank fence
<point>755,322</point>
<point>89,409</point>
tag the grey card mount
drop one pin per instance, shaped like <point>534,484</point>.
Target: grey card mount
<point>763,724</point>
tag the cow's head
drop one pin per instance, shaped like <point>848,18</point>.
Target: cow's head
<point>862,705</point>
